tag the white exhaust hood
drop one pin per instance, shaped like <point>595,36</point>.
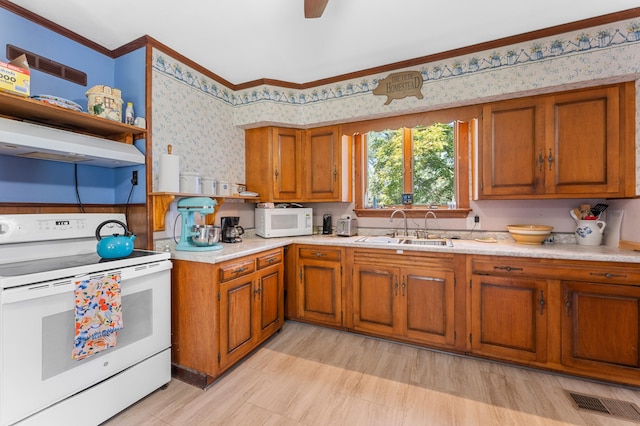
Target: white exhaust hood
<point>29,140</point>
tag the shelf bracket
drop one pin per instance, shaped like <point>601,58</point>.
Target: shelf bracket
<point>161,203</point>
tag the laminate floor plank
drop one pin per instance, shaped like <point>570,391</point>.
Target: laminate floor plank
<point>315,376</point>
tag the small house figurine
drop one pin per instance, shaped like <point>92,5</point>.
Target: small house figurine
<point>105,102</point>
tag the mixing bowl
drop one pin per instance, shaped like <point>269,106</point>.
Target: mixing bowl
<point>529,234</point>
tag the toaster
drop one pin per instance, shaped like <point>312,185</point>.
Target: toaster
<point>346,227</point>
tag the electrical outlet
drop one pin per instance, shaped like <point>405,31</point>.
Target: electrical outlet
<point>473,222</point>
<point>134,177</point>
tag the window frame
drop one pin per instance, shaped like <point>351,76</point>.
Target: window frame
<point>465,121</point>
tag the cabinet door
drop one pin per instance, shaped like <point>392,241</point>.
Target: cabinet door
<point>512,144</point>
<point>509,318</point>
<point>287,161</point>
<point>320,290</point>
<point>237,330</point>
<point>323,154</point>
<point>583,153</point>
<point>270,302</point>
<point>600,328</point>
<point>376,292</point>
<point>428,306</point>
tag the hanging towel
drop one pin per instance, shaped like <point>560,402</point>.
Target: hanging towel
<point>98,314</point>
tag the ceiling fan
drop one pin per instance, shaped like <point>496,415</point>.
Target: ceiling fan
<point>314,8</point>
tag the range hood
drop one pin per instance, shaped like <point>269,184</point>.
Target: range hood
<point>29,140</point>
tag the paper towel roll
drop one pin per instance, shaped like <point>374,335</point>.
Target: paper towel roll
<point>169,175</point>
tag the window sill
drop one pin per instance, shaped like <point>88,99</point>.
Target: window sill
<point>415,212</point>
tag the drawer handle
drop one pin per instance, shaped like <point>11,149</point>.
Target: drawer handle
<point>240,270</point>
<point>319,253</point>
<point>507,268</point>
<point>607,275</point>
<point>270,259</point>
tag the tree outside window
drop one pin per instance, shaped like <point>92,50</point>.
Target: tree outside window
<point>420,160</point>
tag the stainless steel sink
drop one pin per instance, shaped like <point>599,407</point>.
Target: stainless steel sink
<point>428,242</point>
<point>383,240</point>
<point>379,240</point>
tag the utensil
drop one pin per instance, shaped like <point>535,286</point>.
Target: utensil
<point>115,246</point>
<point>598,209</point>
<point>575,214</point>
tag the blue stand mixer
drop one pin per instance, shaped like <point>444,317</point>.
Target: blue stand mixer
<point>194,237</point>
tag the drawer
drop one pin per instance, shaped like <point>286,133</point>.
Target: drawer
<point>319,253</point>
<point>229,271</point>
<point>559,270</point>
<point>270,258</point>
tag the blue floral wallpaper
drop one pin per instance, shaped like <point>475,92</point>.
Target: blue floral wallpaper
<point>204,120</point>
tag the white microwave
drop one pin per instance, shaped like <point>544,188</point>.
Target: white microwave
<point>287,222</point>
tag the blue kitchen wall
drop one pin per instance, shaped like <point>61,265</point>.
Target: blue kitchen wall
<point>39,181</point>
<point>130,78</point>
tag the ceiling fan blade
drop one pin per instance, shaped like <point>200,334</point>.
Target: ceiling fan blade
<point>314,8</point>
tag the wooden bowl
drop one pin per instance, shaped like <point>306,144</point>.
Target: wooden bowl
<point>529,234</point>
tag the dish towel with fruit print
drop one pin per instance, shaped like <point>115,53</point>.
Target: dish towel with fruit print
<point>98,314</point>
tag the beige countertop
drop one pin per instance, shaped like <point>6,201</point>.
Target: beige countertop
<point>253,245</point>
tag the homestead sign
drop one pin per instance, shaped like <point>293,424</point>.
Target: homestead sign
<point>399,85</point>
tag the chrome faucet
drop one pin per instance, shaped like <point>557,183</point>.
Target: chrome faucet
<point>404,215</point>
<point>425,219</point>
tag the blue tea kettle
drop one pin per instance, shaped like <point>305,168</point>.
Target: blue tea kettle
<point>113,247</point>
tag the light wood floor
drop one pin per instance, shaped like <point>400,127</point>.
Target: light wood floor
<point>309,375</point>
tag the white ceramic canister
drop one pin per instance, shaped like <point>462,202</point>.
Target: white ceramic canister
<point>190,183</point>
<point>208,185</point>
<point>234,189</point>
<point>223,188</point>
<point>589,232</point>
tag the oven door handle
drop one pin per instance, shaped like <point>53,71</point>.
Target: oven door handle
<point>35,291</point>
<point>50,288</point>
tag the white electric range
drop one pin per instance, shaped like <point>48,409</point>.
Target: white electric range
<point>41,258</point>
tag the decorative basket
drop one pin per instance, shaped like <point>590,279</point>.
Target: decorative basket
<point>105,102</point>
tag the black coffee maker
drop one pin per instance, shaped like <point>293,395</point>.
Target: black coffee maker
<point>231,231</point>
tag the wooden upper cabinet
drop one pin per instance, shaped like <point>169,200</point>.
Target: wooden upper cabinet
<point>568,145</point>
<point>584,155</point>
<point>285,165</point>
<point>273,158</point>
<point>513,139</point>
<point>327,160</point>
<point>287,159</point>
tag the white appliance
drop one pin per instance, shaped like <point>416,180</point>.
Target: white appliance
<point>40,383</point>
<point>281,222</point>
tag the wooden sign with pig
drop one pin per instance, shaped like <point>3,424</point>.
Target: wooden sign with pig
<point>399,85</point>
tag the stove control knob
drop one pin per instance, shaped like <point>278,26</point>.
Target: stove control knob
<point>4,228</point>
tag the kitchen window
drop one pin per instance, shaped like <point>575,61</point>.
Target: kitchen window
<point>418,161</point>
<point>426,155</point>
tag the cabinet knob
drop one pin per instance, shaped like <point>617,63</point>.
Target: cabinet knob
<point>540,160</point>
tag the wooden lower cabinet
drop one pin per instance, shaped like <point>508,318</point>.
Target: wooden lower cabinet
<point>319,285</point>
<point>601,329</point>
<point>575,317</point>
<point>194,321</point>
<point>251,305</point>
<point>394,297</point>
<point>509,318</point>
<point>222,312</point>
